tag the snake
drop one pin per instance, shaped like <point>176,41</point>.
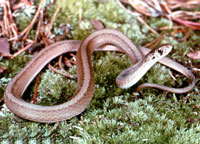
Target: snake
<point>102,40</point>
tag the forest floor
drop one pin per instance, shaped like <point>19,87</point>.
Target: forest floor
<point>114,115</point>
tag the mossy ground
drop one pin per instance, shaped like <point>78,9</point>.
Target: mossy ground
<point>114,115</point>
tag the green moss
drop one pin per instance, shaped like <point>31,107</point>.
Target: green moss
<point>163,22</point>
<point>106,11</point>
<point>15,65</point>
<point>23,21</point>
<point>24,16</point>
<point>135,122</point>
<point>3,83</point>
<point>54,88</point>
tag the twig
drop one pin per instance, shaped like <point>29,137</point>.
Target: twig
<point>73,57</point>
<point>135,14</point>
<point>155,42</point>
<point>23,49</point>
<point>40,23</point>
<point>8,20</point>
<point>49,26</point>
<point>128,11</point>
<point>27,29</point>
<point>27,2</point>
<point>36,89</point>
<point>172,76</point>
<point>169,27</point>
<point>80,13</point>
<point>74,137</point>
<point>187,33</point>
<point>45,31</point>
<point>196,69</point>
<point>67,62</point>
<point>54,127</point>
<point>143,22</point>
<point>60,63</point>
<point>57,71</point>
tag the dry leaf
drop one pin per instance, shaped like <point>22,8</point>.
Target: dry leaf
<point>174,4</point>
<point>185,15</point>
<point>147,7</point>
<point>194,55</point>
<point>156,8</point>
<point>98,25</point>
<point>4,46</point>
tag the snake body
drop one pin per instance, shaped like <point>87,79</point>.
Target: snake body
<point>97,41</point>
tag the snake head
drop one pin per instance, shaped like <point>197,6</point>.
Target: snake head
<point>158,53</point>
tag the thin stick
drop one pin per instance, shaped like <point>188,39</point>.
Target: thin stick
<point>52,20</point>
<point>57,71</point>
<point>23,49</point>
<point>155,42</point>
<point>143,22</point>
<point>135,14</point>
<point>40,23</point>
<point>27,29</point>
<point>36,89</point>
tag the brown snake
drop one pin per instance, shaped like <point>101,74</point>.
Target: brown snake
<point>97,41</point>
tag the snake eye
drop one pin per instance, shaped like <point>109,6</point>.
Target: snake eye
<point>160,51</point>
<point>124,74</point>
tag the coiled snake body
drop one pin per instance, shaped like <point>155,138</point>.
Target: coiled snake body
<point>97,41</point>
